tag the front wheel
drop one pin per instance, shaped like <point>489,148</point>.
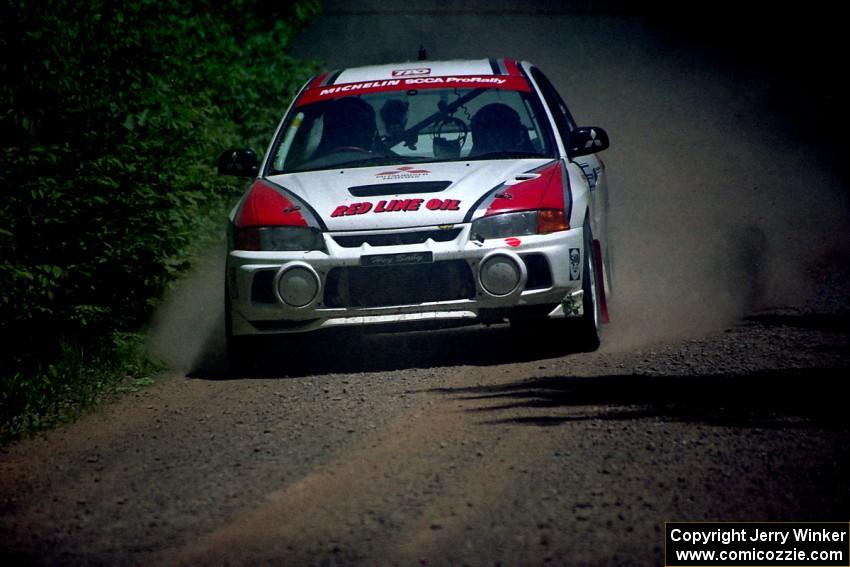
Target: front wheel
<point>586,329</point>
<point>236,349</point>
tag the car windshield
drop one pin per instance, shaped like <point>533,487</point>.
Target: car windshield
<point>412,126</point>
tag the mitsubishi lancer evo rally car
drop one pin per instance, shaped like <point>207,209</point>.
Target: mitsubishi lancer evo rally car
<point>421,191</point>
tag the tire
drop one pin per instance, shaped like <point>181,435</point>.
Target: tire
<point>583,332</point>
<point>586,329</point>
<point>237,349</point>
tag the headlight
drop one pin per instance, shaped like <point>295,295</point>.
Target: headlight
<point>504,225</point>
<point>281,238</point>
<point>543,221</point>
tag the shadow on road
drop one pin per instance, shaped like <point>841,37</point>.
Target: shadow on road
<point>774,399</point>
<point>354,350</point>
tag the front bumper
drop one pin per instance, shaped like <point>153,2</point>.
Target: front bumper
<point>447,284</point>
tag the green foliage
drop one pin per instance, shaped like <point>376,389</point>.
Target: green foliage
<point>71,383</point>
<point>111,117</point>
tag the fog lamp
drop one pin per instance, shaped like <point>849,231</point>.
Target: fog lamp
<point>500,275</point>
<point>298,286</point>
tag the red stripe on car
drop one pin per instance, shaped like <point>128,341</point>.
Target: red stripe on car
<point>544,191</point>
<point>318,80</point>
<point>266,206</point>
<point>512,67</point>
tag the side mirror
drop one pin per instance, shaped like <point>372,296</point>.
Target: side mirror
<point>241,163</point>
<point>587,140</point>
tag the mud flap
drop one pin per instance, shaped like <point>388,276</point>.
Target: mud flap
<point>600,284</point>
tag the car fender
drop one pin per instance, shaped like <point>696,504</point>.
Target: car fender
<point>589,201</point>
<point>580,195</point>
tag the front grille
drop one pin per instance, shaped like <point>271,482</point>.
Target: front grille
<point>399,285</point>
<point>539,274</point>
<point>262,287</point>
<point>397,238</point>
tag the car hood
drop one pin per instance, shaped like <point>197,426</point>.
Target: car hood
<point>402,196</point>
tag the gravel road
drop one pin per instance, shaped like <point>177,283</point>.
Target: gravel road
<point>463,446</point>
<point>719,393</point>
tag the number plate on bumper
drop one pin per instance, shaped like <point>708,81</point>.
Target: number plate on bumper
<point>402,259</point>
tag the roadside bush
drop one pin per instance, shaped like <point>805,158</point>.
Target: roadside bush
<point>111,117</point>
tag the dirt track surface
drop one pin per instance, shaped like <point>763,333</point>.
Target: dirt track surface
<point>718,393</point>
<point>410,456</point>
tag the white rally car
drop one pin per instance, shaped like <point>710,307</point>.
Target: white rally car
<point>421,191</point>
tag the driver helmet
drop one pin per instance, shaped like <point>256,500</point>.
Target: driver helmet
<point>394,116</point>
<point>496,127</point>
<point>348,122</point>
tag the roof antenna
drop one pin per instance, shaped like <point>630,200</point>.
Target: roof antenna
<point>423,55</point>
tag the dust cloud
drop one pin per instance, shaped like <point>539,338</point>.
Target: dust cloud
<point>187,330</point>
<point>719,207</point>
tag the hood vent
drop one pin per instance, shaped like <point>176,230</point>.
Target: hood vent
<point>382,189</point>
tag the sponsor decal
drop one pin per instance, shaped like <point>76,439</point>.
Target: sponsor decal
<point>395,206</point>
<point>575,264</point>
<point>513,242</point>
<point>443,205</point>
<point>456,81</point>
<point>411,72</point>
<point>354,87</point>
<point>316,93</point>
<point>402,172</point>
<point>591,173</point>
